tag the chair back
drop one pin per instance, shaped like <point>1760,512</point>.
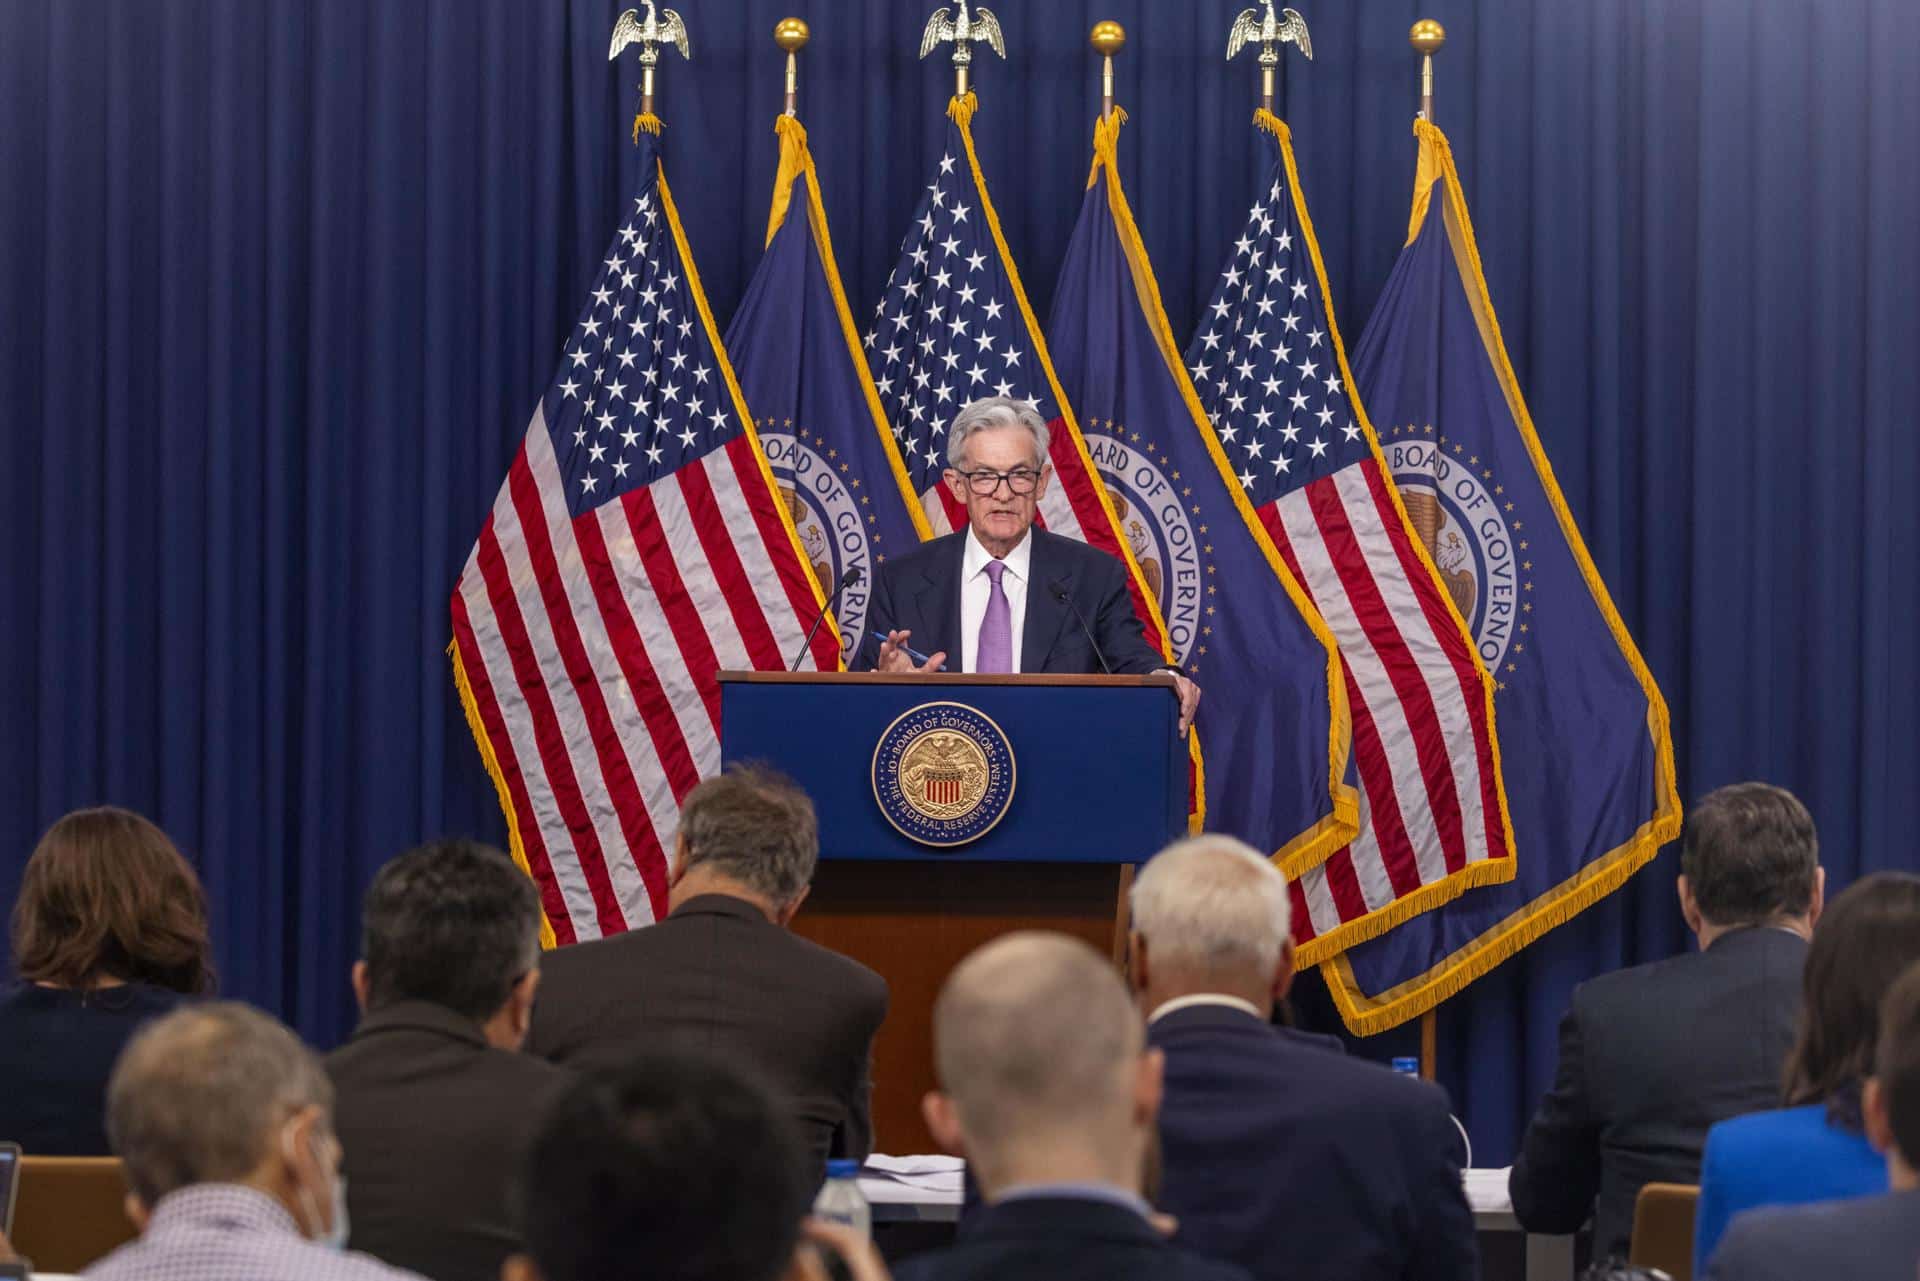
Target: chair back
<point>1663,1228</point>
<point>70,1211</point>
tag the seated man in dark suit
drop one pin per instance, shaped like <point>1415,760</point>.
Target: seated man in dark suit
<point>434,1104</point>
<point>1868,1238</point>
<point>723,975</point>
<point>1651,1057</point>
<point>1049,1092</point>
<point>1277,1151</point>
<point>1001,595</point>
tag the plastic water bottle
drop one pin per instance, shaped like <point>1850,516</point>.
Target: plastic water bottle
<point>1407,1065</point>
<point>841,1201</point>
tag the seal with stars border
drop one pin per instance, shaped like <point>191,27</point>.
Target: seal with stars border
<point>943,774</point>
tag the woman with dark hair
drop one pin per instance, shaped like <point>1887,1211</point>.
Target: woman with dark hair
<point>1815,1149</point>
<point>110,930</point>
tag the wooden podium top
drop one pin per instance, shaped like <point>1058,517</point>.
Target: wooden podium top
<point>1162,679</point>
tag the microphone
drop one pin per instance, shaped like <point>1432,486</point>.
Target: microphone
<point>853,575</point>
<point>1059,589</point>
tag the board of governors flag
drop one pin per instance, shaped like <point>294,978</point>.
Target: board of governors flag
<point>1271,374</point>
<point>1586,747</point>
<point>637,547</point>
<point>798,357</point>
<point>1274,724</point>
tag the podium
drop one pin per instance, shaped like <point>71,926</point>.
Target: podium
<point>1098,783</point>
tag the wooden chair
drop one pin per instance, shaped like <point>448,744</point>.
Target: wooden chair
<point>69,1211</point>
<point>1663,1228</point>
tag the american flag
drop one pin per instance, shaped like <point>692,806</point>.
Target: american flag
<point>636,549</point>
<point>954,326</point>
<point>1272,376</point>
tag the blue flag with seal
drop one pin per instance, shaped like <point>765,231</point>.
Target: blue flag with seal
<point>1588,756</point>
<point>801,369</point>
<point>1274,722</point>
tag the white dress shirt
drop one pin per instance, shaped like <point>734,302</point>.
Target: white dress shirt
<point>975,587</point>
<point>1205,998</point>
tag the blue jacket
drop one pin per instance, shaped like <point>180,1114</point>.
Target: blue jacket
<point>1289,1158</point>
<point>1061,1238</point>
<point>1787,1157</point>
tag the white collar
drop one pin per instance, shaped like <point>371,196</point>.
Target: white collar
<point>977,556</point>
<point>1205,998</point>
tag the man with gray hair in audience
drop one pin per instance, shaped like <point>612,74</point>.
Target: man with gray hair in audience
<point>1002,595</point>
<point>224,1122</point>
<point>1278,1151</point>
<point>1049,1091</point>
<point>723,975</point>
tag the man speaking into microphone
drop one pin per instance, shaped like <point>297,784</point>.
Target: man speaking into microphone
<point>1002,596</point>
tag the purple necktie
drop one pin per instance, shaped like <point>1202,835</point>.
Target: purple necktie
<point>995,653</point>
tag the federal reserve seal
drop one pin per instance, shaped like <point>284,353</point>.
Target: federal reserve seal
<point>943,774</point>
<point>826,515</point>
<point>1465,530</point>
<point>1159,526</point>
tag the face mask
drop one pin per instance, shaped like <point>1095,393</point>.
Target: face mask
<point>335,1236</point>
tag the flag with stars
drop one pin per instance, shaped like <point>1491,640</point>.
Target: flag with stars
<point>1588,756</point>
<point>954,325</point>
<point>637,548</point>
<point>801,368</point>
<point>1274,724</point>
<point>1272,378</point>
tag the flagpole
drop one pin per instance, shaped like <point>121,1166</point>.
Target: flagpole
<point>1107,39</point>
<point>1426,37</point>
<point>791,34</point>
<point>650,35</point>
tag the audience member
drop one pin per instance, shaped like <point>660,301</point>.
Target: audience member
<point>1874,1238</point>
<point>678,1168</point>
<point>433,1103</point>
<point>723,974</point>
<point>1278,1152</point>
<point>1651,1057</point>
<point>1816,1148</point>
<point>110,930</point>
<point>223,1120</point>
<point>1049,1091</point>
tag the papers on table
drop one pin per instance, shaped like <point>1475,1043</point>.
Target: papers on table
<point>923,1173</point>
<point>1487,1191</point>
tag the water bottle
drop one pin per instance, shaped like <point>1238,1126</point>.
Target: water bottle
<point>841,1201</point>
<point>1407,1065</point>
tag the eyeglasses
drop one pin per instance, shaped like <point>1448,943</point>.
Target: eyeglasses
<point>1021,480</point>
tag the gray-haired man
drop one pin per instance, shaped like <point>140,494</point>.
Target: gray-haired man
<point>224,1122</point>
<point>723,975</point>
<point>1000,595</point>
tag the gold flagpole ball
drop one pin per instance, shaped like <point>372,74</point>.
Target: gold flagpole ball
<point>1427,36</point>
<point>1108,38</point>
<point>791,34</point>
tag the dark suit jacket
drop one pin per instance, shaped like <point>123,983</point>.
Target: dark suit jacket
<point>920,591</point>
<point>718,977</point>
<point>434,1123</point>
<point>1864,1240</point>
<point>1650,1058</point>
<point>1287,1157</point>
<point>1062,1239</point>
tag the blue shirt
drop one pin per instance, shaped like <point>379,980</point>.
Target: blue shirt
<point>57,1048</point>
<point>1787,1157</point>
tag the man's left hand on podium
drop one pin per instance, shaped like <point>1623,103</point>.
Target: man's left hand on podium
<point>1189,701</point>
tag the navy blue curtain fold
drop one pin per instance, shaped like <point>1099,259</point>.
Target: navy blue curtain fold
<point>281,279</point>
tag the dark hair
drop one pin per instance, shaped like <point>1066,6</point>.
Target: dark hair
<point>681,1161</point>
<point>453,922</point>
<point>1865,938</point>
<point>755,825</point>
<point>1897,1061</point>
<point>107,896</point>
<point>1750,855</point>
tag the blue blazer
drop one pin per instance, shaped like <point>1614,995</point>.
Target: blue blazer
<point>1062,1238</point>
<point>1295,1161</point>
<point>1786,1157</point>
<point>920,591</point>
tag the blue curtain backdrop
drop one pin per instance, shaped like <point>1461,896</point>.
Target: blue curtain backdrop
<point>280,281</point>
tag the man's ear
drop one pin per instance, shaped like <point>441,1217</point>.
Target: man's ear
<point>785,916</point>
<point>1046,476</point>
<point>1873,1115</point>
<point>361,987</point>
<point>1137,972</point>
<point>678,871</point>
<point>1283,973</point>
<point>1688,908</point>
<point>520,1005</point>
<point>519,1267</point>
<point>1149,1084</point>
<point>1819,903</point>
<point>955,485</point>
<point>137,1213</point>
<point>943,1122</point>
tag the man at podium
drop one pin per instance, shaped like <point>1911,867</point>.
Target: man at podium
<point>1002,596</point>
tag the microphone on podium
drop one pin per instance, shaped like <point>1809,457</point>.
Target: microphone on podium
<point>1059,589</point>
<point>853,575</point>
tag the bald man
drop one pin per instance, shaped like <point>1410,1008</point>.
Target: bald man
<point>1049,1091</point>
